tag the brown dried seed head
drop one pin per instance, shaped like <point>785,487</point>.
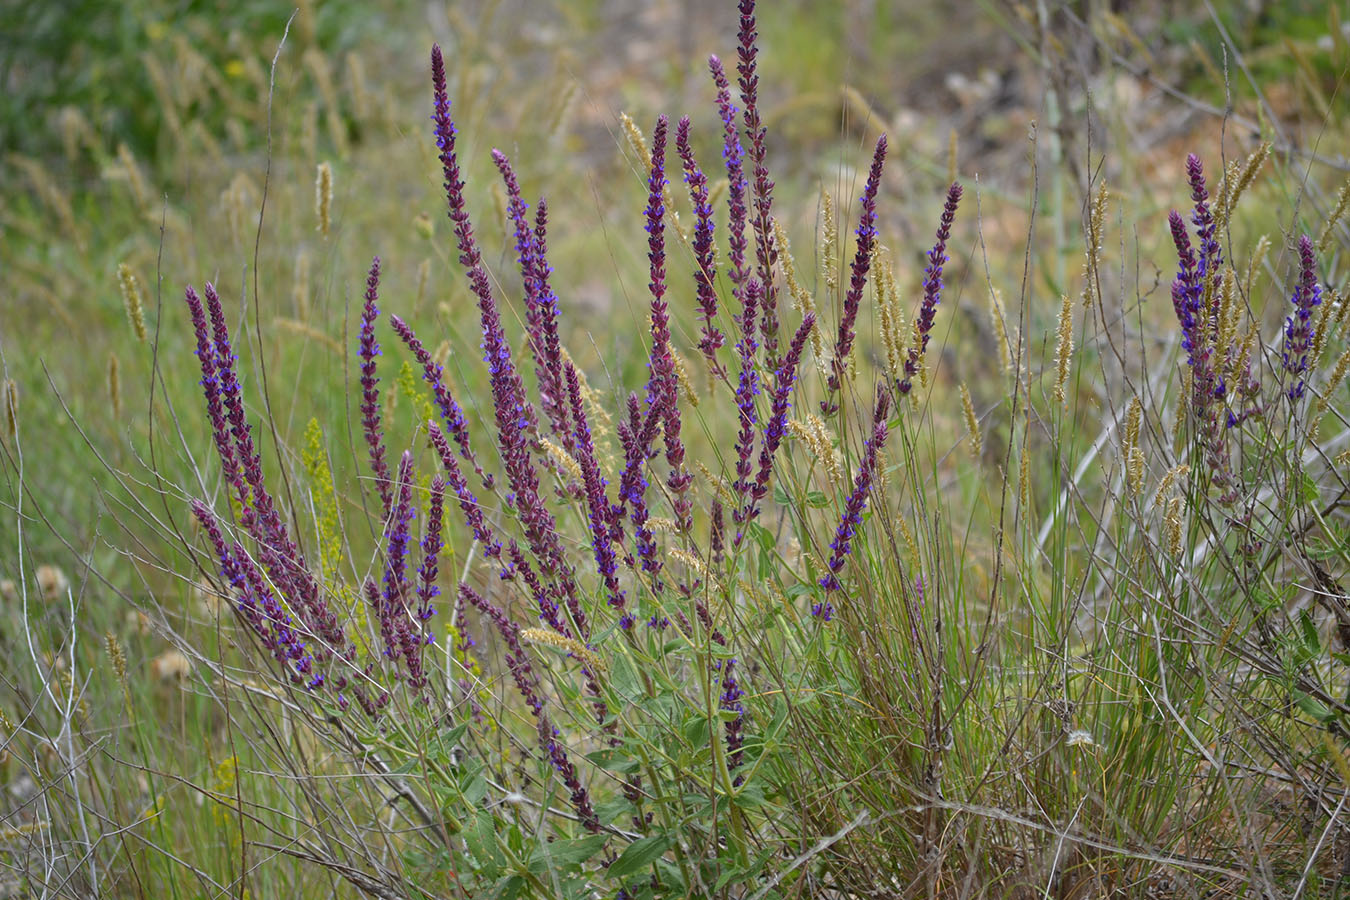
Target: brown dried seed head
<point>171,665</point>
<point>52,582</point>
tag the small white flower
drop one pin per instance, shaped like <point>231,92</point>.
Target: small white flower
<point>1080,738</point>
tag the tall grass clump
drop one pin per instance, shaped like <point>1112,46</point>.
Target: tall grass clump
<point>747,626</point>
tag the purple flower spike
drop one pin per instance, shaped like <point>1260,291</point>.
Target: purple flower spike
<point>468,503</point>
<point>220,426</point>
<point>661,384</point>
<point>1298,327</point>
<point>451,414</point>
<point>862,262</point>
<point>1211,256</point>
<point>597,502</point>
<point>393,605</point>
<point>277,553</point>
<point>766,253</point>
<point>711,338</point>
<point>932,288</point>
<point>733,155</point>
<point>528,684</point>
<point>746,390</point>
<point>730,700</point>
<point>370,392</point>
<point>544,342</point>
<point>853,508</point>
<point>427,591</point>
<point>776,429</point>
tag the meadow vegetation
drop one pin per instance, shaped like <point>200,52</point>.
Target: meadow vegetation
<point>743,483</point>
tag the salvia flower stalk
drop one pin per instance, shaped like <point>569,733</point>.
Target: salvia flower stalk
<point>368,350</point>
<point>932,290</point>
<point>851,520</point>
<point>1298,327</point>
<point>862,262</point>
<point>711,338</point>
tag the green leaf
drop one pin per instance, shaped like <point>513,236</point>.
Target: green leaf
<point>1312,640</point>
<point>817,500</point>
<point>558,854</point>
<point>474,787</point>
<point>623,677</point>
<point>481,842</point>
<point>780,496</point>
<point>696,730</point>
<point>1313,707</point>
<point>613,759</point>
<point>454,735</point>
<point>751,796</point>
<point>763,536</point>
<point>638,855</point>
<point>509,888</point>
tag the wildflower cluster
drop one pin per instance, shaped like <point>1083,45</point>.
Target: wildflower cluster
<point>587,604</point>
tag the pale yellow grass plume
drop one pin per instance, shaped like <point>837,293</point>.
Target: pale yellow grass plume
<point>1237,178</point>
<point>162,84</point>
<point>1093,252</point>
<point>131,171</point>
<point>114,386</point>
<point>891,318</point>
<point>564,459</point>
<point>696,564</point>
<point>972,422</point>
<point>52,583</point>
<point>637,145</point>
<point>239,200</point>
<point>1133,454</point>
<point>362,103</point>
<point>1169,480</point>
<point>76,132</point>
<point>132,299</point>
<point>53,197</point>
<point>171,665</point>
<point>1334,382</point>
<point>812,432</point>
<point>442,354</point>
<point>1337,214</point>
<point>719,485</point>
<point>322,72</point>
<point>1024,481</point>
<point>602,425</point>
<point>998,318</point>
<point>306,330</point>
<point>1254,262</point>
<point>1328,316</point>
<point>584,654</point>
<point>323,197</point>
<point>1229,309</point>
<point>829,246</point>
<point>116,656</point>
<point>1172,527</point>
<point>801,297</point>
<point>1064,351</point>
<point>686,384</point>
